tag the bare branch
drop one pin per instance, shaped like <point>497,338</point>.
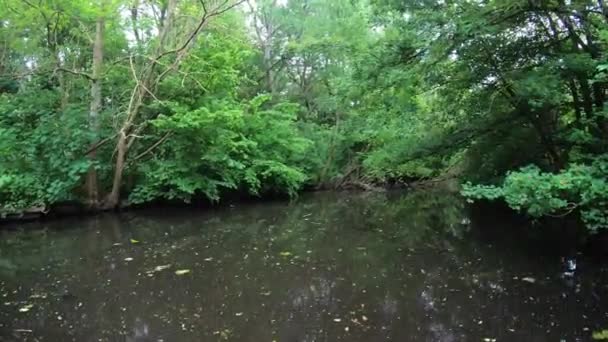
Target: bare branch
<point>99,144</point>
<point>74,72</point>
<point>155,145</point>
<point>206,16</point>
<point>138,82</point>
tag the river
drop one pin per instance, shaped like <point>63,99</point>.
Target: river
<point>355,267</point>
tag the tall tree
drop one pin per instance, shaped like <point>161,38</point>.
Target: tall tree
<point>96,106</point>
<point>167,54</point>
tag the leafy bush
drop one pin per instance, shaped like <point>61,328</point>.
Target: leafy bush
<point>41,153</point>
<point>232,146</point>
<point>580,188</point>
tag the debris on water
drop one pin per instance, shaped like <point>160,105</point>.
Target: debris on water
<point>38,296</point>
<point>133,241</point>
<point>238,314</point>
<point>26,308</point>
<point>161,267</point>
<point>364,318</point>
<point>285,254</point>
<point>569,266</point>
<point>23,330</point>
<point>337,320</point>
<point>529,280</point>
<point>128,259</point>
<point>157,269</point>
<point>208,259</point>
<point>182,272</point>
<point>489,339</point>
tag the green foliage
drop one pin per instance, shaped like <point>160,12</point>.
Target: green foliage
<point>38,164</point>
<point>508,94</point>
<point>579,187</point>
<point>600,335</point>
<point>232,146</point>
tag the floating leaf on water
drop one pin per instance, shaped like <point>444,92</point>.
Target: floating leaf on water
<point>285,254</point>
<point>158,269</point>
<point>529,280</point>
<point>182,272</point>
<point>23,330</point>
<point>134,241</point>
<point>26,308</point>
<point>161,267</point>
<point>38,295</point>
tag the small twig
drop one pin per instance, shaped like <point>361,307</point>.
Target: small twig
<point>23,330</point>
<point>569,209</point>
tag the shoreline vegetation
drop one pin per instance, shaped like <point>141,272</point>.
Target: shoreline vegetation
<point>74,208</point>
<point>121,103</point>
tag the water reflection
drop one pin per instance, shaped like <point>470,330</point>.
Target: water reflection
<point>328,267</point>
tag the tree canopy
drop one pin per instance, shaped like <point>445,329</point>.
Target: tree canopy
<point>116,102</point>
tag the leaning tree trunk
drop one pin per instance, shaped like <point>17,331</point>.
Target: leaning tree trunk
<point>142,87</point>
<point>95,109</point>
<point>148,80</point>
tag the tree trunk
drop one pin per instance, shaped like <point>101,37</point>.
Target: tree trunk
<point>125,140</point>
<point>95,109</point>
<point>147,82</point>
<point>113,199</point>
<point>268,66</point>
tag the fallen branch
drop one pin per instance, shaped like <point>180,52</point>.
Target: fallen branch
<point>364,186</point>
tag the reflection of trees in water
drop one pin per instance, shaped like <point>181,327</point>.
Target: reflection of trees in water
<point>344,251</point>
<point>140,332</point>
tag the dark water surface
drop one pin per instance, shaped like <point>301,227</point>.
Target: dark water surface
<point>327,267</point>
